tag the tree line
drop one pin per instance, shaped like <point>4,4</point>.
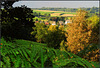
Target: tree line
<point>38,14</point>
<point>90,10</point>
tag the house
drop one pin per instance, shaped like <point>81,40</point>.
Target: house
<point>46,23</point>
<point>36,21</point>
<point>68,21</point>
<point>61,22</point>
<point>53,22</point>
<point>41,21</point>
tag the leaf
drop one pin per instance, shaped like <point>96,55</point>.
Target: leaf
<point>18,61</point>
<point>42,60</point>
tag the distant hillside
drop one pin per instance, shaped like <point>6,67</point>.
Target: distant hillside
<point>91,10</point>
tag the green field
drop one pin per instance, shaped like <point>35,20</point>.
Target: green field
<point>51,12</point>
<point>42,12</point>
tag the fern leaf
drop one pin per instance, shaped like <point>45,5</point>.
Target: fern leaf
<point>18,61</point>
<point>20,51</point>
<point>42,60</point>
<point>25,54</point>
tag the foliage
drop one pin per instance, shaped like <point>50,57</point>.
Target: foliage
<point>78,35</point>
<point>57,19</point>
<point>62,46</point>
<point>93,22</point>
<point>7,3</point>
<point>39,31</point>
<point>54,36</point>
<point>15,55</point>
<point>91,52</point>
<point>17,22</point>
<point>81,33</point>
<point>40,14</point>
<point>51,35</point>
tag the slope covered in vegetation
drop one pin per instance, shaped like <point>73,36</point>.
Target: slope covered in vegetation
<point>23,53</point>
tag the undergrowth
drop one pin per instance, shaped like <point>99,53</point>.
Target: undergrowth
<point>22,53</point>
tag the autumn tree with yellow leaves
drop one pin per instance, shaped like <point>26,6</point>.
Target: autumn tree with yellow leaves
<point>80,32</point>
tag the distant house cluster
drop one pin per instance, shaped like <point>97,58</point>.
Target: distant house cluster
<point>58,22</point>
<point>54,22</point>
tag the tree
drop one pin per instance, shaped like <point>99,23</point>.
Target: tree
<point>83,36</point>
<point>93,22</point>
<point>51,35</point>
<point>40,30</point>
<point>8,3</point>
<point>54,36</point>
<point>17,22</point>
<point>79,33</point>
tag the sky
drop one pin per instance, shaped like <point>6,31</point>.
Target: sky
<point>57,4</point>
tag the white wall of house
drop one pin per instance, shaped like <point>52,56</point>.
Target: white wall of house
<point>53,24</point>
<point>68,21</point>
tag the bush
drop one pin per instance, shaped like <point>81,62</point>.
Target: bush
<point>54,36</point>
<point>39,31</point>
<point>51,35</point>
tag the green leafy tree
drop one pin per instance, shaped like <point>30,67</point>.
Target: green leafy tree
<point>54,36</point>
<point>40,30</point>
<point>17,22</point>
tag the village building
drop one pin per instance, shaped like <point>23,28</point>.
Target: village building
<point>41,21</point>
<point>61,22</point>
<point>46,23</point>
<point>36,21</point>
<point>53,22</point>
<point>68,21</point>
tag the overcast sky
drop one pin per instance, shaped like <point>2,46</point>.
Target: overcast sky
<point>62,4</point>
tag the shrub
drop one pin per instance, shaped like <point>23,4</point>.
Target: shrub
<point>40,30</point>
<point>54,36</point>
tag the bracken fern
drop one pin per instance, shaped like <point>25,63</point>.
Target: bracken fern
<point>32,55</point>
